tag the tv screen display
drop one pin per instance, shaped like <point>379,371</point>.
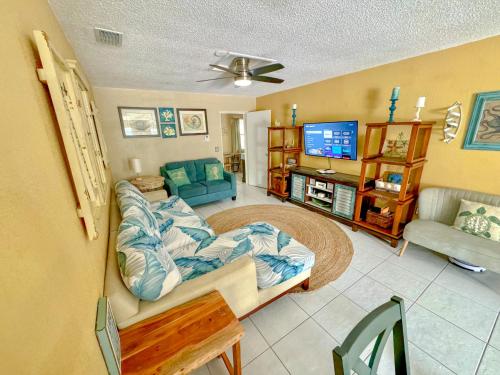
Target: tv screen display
<point>338,140</point>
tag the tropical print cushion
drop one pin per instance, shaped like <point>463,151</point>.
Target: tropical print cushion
<point>182,230</point>
<point>479,219</point>
<point>178,176</point>
<point>145,265</point>
<point>124,189</point>
<point>172,203</point>
<point>277,256</point>
<point>214,171</point>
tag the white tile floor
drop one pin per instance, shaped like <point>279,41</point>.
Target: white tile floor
<point>453,315</point>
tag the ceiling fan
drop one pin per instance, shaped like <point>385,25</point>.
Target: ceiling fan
<point>243,75</point>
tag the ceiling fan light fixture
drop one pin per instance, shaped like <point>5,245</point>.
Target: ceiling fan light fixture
<point>242,81</point>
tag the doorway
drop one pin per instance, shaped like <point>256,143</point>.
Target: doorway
<point>234,143</point>
<point>256,124</point>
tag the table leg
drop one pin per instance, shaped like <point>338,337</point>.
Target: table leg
<point>227,363</point>
<point>237,358</point>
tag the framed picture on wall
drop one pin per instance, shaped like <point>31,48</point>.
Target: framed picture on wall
<point>166,114</point>
<point>483,132</point>
<point>139,122</point>
<point>108,337</point>
<point>192,121</point>
<point>168,131</point>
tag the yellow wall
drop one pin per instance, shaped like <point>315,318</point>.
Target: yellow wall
<point>51,275</point>
<point>443,77</point>
<point>155,151</point>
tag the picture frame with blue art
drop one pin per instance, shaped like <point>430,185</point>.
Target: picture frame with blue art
<point>167,114</point>
<point>483,132</point>
<point>168,131</point>
<point>108,337</point>
<point>167,122</point>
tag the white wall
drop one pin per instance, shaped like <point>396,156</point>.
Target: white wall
<point>155,152</point>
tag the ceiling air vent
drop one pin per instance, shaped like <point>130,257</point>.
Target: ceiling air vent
<point>110,37</point>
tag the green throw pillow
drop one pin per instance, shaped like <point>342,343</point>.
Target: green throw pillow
<point>479,219</point>
<point>179,176</point>
<point>214,171</point>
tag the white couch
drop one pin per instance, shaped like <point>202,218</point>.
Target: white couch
<point>237,282</point>
<point>437,210</point>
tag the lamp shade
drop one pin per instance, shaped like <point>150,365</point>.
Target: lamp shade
<point>420,102</point>
<point>135,165</point>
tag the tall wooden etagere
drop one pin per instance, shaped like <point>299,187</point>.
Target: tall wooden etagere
<point>284,142</point>
<point>402,203</point>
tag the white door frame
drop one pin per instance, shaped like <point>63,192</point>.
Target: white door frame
<point>221,134</point>
<point>248,156</point>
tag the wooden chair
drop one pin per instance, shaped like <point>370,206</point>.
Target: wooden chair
<point>390,317</point>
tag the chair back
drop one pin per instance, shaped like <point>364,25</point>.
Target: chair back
<point>442,204</point>
<point>377,325</point>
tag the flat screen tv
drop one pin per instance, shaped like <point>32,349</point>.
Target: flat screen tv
<point>338,140</point>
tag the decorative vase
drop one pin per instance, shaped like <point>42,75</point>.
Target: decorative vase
<point>294,114</point>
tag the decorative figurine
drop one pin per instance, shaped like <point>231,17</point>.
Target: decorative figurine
<point>452,122</point>
<point>394,98</point>
<point>294,114</point>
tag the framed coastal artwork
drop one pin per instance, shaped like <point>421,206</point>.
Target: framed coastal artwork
<point>192,121</point>
<point>483,132</point>
<point>108,337</point>
<point>167,122</point>
<point>168,130</point>
<point>167,114</point>
<point>139,122</point>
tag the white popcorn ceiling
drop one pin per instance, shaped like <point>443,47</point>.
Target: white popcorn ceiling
<point>167,45</point>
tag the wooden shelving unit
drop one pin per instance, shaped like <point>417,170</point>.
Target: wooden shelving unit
<point>283,142</point>
<point>402,203</point>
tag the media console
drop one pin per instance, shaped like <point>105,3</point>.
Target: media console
<point>333,195</point>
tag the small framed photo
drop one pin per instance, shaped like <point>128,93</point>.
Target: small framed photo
<point>167,114</point>
<point>483,132</point>
<point>139,122</point>
<point>108,336</point>
<point>192,121</point>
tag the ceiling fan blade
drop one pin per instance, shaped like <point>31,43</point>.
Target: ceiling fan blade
<point>267,79</point>
<point>213,79</point>
<point>223,68</point>
<point>266,69</point>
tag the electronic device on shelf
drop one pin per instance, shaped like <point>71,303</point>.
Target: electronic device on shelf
<point>337,140</point>
<point>321,185</point>
<point>326,171</point>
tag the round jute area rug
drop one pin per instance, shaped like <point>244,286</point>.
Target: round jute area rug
<point>332,247</point>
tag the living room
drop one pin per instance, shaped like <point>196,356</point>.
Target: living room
<point>251,187</point>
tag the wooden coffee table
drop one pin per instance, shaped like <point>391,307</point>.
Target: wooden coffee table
<point>183,338</point>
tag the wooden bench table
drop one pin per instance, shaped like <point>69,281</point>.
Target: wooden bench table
<point>183,338</point>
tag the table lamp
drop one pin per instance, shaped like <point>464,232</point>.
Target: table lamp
<point>135,165</point>
<point>420,104</point>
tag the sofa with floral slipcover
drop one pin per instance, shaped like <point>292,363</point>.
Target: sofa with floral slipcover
<point>166,254</point>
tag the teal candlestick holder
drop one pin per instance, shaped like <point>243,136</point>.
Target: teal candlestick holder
<point>294,115</point>
<point>392,108</point>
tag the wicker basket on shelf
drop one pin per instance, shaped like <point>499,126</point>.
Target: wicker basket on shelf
<point>383,221</point>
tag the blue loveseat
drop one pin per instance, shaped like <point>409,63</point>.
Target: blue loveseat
<point>200,190</point>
